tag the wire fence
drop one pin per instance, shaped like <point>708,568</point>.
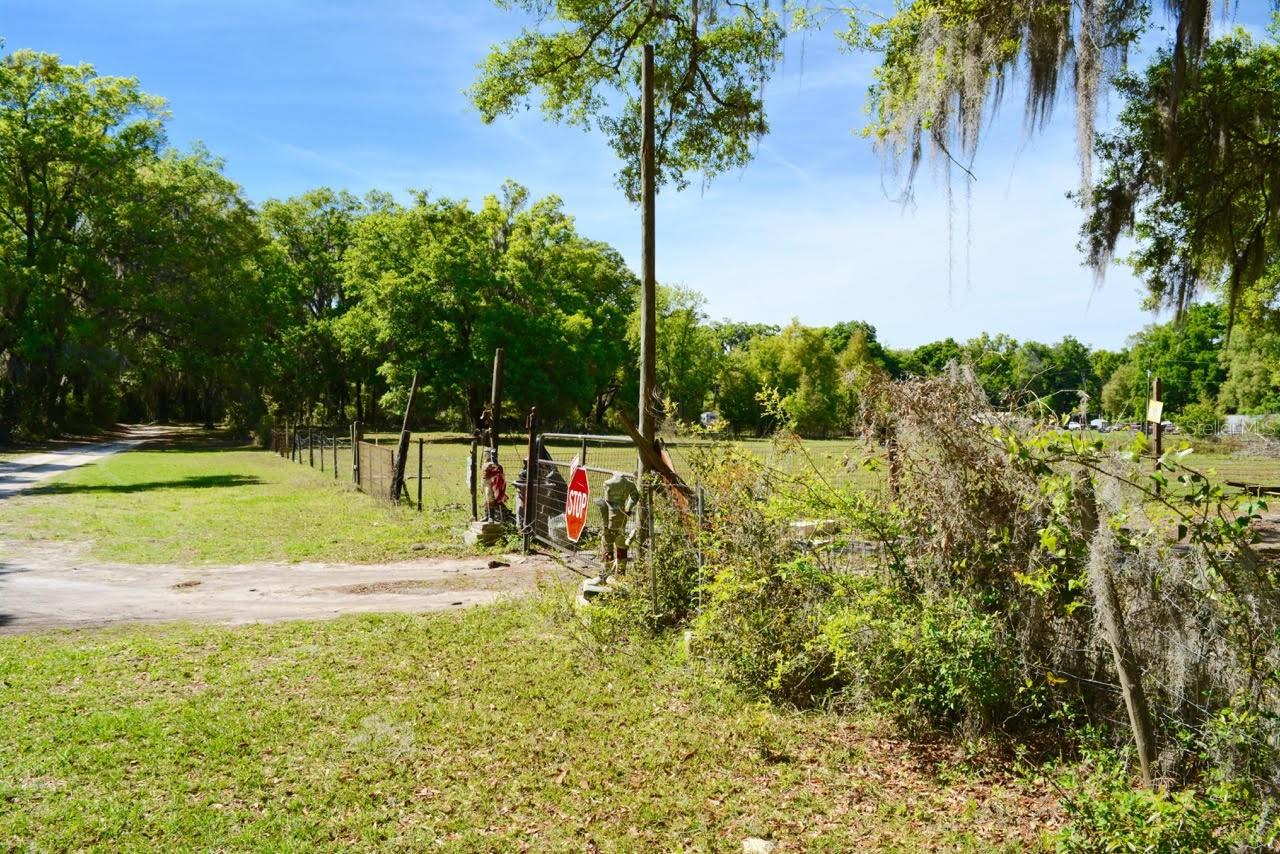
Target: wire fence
<point>441,471</point>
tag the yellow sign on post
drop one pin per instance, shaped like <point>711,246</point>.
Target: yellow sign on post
<point>1155,411</point>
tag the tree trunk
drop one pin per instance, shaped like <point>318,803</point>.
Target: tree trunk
<point>475,406</point>
<point>208,406</point>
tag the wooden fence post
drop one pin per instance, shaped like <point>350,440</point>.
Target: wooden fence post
<point>402,449</point>
<point>532,476</point>
<point>421,443</point>
<point>471,479</point>
<point>355,453</point>
<point>495,401</point>
<point>1110,612</point>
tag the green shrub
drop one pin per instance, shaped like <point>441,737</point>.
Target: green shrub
<point>764,624</point>
<point>934,659</point>
<point>1106,812</point>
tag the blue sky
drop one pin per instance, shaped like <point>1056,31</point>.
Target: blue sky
<point>364,95</point>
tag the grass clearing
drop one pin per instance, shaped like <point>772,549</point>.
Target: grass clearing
<point>488,730</point>
<point>198,502</point>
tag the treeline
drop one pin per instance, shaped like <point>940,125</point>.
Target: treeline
<point>138,283</point>
<point>753,373</point>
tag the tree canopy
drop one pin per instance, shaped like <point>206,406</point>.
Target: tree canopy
<point>711,60</point>
<point>1203,206</point>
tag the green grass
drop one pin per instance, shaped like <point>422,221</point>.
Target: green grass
<point>192,502</point>
<point>483,731</point>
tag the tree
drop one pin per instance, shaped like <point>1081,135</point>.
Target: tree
<point>1185,355</point>
<point>1204,209</point>
<point>992,358</point>
<point>1252,384</point>
<point>326,367</point>
<point>1125,392</point>
<point>689,351</point>
<point>946,63</point>
<point>71,142</point>
<point>439,285</point>
<point>734,335</point>
<point>192,316</point>
<point>862,337</point>
<point>1104,364</point>
<point>930,359</point>
<point>800,367</point>
<point>712,57</point>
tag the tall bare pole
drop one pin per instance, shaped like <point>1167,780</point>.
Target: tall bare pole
<point>402,449</point>
<point>648,281</point>
<point>495,400</point>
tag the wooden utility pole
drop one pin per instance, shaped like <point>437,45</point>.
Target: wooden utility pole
<point>402,450</point>
<point>495,401</point>
<point>648,281</point>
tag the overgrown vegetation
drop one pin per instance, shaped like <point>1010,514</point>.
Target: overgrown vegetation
<point>1015,580</point>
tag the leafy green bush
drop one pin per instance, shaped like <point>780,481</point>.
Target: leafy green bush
<point>764,621</point>
<point>932,659</point>
<point>1106,812</point>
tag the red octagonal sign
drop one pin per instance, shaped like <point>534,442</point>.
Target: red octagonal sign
<point>575,505</point>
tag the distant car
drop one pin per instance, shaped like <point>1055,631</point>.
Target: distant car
<point>709,420</point>
<point>1074,425</point>
<point>1100,424</point>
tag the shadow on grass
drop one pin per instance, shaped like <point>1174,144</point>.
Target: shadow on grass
<point>202,441</point>
<point>207,481</point>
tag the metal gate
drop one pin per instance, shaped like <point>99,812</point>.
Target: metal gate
<point>541,498</point>
<point>375,469</point>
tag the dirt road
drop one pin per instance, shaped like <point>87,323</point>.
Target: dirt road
<point>44,586</point>
<point>25,472</point>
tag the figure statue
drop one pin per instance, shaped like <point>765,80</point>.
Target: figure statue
<point>495,491</point>
<point>620,497</point>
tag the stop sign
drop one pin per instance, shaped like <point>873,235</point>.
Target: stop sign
<point>575,505</point>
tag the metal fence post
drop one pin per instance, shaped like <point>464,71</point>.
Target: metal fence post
<point>421,443</point>
<point>335,455</point>
<point>311,448</point>
<point>322,452</point>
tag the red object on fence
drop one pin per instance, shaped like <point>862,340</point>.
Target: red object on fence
<point>575,505</point>
<point>495,485</point>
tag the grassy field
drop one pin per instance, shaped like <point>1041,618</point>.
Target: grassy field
<point>489,730</point>
<point>445,455</point>
<point>201,500</point>
<point>196,501</point>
